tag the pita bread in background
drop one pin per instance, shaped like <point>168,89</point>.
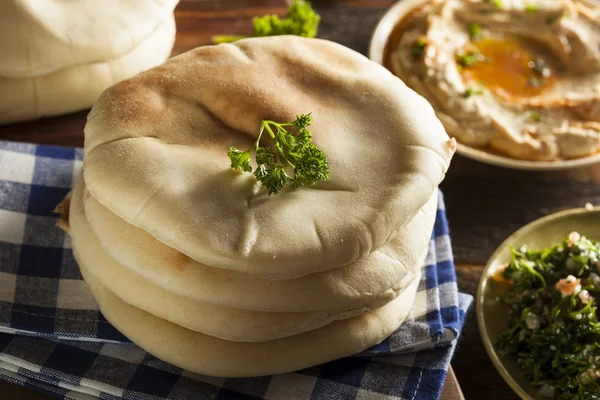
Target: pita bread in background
<point>40,37</point>
<point>77,87</point>
<point>208,355</point>
<point>156,149</point>
<point>368,282</point>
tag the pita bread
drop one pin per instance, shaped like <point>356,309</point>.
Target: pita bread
<point>78,87</point>
<point>39,37</point>
<point>156,146</point>
<point>368,282</point>
<point>224,323</point>
<point>207,355</point>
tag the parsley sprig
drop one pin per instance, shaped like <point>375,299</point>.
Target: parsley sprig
<point>292,152</point>
<point>300,20</point>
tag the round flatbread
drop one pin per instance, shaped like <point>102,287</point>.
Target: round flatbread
<point>207,355</point>
<point>225,323</point>
<point>370,281</point>
<point>78,87</point>
<point>156,149</point>
<point>38,37</point>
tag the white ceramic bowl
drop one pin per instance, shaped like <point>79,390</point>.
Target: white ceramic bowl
<point>376,53</point>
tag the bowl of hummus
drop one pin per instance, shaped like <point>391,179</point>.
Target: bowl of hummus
<point>516,82</point>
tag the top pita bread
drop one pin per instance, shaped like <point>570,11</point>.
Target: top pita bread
<point>155,154</point>
<point>38,37</point>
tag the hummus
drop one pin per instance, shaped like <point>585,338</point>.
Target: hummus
<point>517,77</point>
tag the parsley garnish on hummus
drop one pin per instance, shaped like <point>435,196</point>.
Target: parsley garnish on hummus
<point>471,91</point>
<point>497,3</point>
<point>474,32</point>
<point>531,8</point>
<point>535,116</point>
<point>467,58</point>
<point>418,48</point>
<point>552,19</point>
<point>554,331</point>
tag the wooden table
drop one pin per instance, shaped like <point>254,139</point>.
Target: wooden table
<point>484,203</point>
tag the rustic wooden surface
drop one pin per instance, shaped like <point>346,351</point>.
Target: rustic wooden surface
<point>484,203</point>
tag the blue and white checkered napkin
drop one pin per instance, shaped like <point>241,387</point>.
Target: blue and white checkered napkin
<point>54,339</point>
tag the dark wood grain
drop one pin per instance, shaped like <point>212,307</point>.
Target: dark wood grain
<point>484,203</point>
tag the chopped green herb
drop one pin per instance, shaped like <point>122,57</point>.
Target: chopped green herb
<point>497,3</point>
<point>418,48</point>
<point>553,18</point>
<point>472,91</point>
<point>292,152</point>
<point>300,20</point>
<point>535,116</point>
<point>553,328</point>
<point>474,32</point>
<point>531,8</point>
<point>466,59</point>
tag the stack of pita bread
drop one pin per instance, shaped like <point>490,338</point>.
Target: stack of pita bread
<point>196,264</point>
<point>58,56</point>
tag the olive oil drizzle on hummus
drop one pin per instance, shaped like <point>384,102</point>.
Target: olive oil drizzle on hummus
<point>510,68</point>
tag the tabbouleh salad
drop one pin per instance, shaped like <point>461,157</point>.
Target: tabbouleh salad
<point>554,331</point>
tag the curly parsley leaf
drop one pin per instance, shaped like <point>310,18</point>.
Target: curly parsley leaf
<point>264,156</point>
<point>300,20</point>
<point>311,166</point>
<point>239,159</point>
<point>273,177</point>
<point>302,122</point>
<point>293,153</point>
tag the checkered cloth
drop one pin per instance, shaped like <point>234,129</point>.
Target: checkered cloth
<point>54,339</point>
